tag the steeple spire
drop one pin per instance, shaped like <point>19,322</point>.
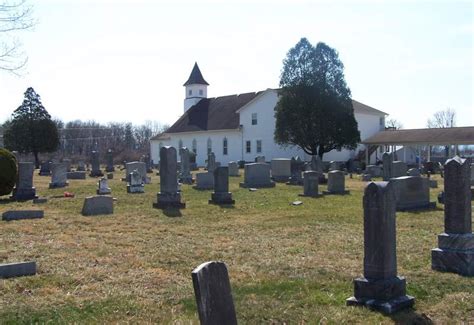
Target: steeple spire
<point>196,78</point>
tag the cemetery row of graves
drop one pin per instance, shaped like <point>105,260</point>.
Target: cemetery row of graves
<point>299,242</point>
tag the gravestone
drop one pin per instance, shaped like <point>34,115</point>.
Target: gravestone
<point>257,175</point>
<point>334,165</point>
<point>22,214</point>
<point>455,252</point>
<point>281,169</point>
<point>211,162</point>
<point>95,172</point>
<point>221,194</point>
<point>472,174</point>
<point>412,193</point>
<point>45,169</point>
<point>135,184</point>
<point>398,169</point>
<point>24,189</point>
<point>97,205</point>
<point>233,169</point>
<point>387,160</point>
<point>12,270</point>
<point>317,165</point>
<point>185,176</point>
<point>67,162</point>
<point>109,157</point>
<point>260,159</point>
<point>413,172</point>
<point>58,175</point>
<point>336,183</point>
<point>310,184</point>
<point>76,175</point>
<point>296,169</point>
<point>204,181</point>
<point>169,195</point>
<point>380,288</point>
<point>103,187</point>
<point>148,164</point>
<point>213,294</point>
<point>140,167</point>
<point>81,166</point>
<point>374,170</point>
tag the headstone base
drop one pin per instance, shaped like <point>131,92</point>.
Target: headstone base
<point>221,198</point>
<point>96,173</point>
<point>22,214</point>
<point>24,194</point>
<point>103,192</point>
<point>44,173</point>
<point>387,296</point>
<point>267,185</point>
<point>169,200</point>
<point>336,192</point>
<point>135,188</point>
<point>110,169</point>
<point>455,254</point>
<point>416,206</point>
<point>58,185</point>
<point>12,270</point>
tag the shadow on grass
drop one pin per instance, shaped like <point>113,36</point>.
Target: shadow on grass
<point>172,212</point>
<point>410,316</point>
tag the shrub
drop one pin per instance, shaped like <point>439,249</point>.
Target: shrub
<point>8,171</point>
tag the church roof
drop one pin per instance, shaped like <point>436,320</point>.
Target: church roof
<point>196,77</point>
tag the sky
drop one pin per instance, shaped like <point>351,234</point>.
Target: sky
<point>126,61</point>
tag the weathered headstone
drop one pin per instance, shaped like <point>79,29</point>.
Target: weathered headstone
<point>22,214</point>
<point>204,181</point>
<point>45,169</point>
<point>97,205</point>
<point>398,169</point>
<point>81,166</point>
<point>413,172</point>
<point>260,159</point>
<point>221,194</point>
<point>185,176</point>
<point>24,189</point>
<point>109,157</point>
<point>374,170</point>
<point>472,174</point>
<point>334,165</point>
<point>281,169</point>
<point>135,185</point>
<point>169,196</point>
<point>95,172</point>
<point>387,160</point>
<point>336,183</point>
<point>58,175</point>
<point>103,187</point>
<point>317,165</point>
<point>455,252</point>
<point>380,288</point>
<point>213,294</point>
<point>296,169</point>
<point>12,270</point>
<point>233,169</point>
<point>211,162</point>
<point>310,184</point>
<point>67,162</point>
<point>412,193</point>
<point>140,167</point>
<point>257,175</point>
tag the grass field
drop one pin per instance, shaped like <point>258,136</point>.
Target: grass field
<point>287,264</point>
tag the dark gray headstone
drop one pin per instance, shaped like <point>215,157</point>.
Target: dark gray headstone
<point>58,175</point>
<point>336,183</point>
<point>204,181</point>
<point>169,195</point>
<point>455,252</point>
<point>297,166</point>
<point>380,288</point>
<point>213,294</point>
<point>221,194</point>
<point>310,184</point>
<point>387,160</point>
<point>22,214</point>
<point>185,176</point>
<point>97,205</point>
<point>281,169</point>
<point>110,161</point>
<point>103,187</point>
<point>95,172</point>
<point>12,270</point>
<point>24,189</point>
<point>45,168</point>
<point>135,184</point>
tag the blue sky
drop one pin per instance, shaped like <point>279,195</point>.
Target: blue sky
<point>127,60</point>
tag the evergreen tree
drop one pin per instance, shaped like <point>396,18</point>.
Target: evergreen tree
<point>315,110</point>
<point>31,128</point>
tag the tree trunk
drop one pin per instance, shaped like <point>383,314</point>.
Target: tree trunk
<point>37,164</point>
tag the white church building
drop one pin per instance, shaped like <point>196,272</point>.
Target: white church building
<point>241,127</point>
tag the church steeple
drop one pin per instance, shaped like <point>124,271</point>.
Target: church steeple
<point>196,88</point>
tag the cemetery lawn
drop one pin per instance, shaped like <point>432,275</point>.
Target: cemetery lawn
<point>287,264</point>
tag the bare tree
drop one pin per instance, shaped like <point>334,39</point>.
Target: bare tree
<point>15,15</point>
<point>393,124</point>
<point>443,119</point>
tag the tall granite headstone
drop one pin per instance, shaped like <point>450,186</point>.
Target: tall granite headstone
<point>387,160</point>
<point>336,183</point>
<point>211,162</point>
<point>95,172</point>
<point>135,183</point>
<point>455,252</point>
<point>45,169</point>
<point>213,294</point>
<point>221,194</point>
<point>380,288</point>
<point>109,157</point>
<point>185,176</point>
<point>58,175</point>
<point>24,189</point>
<point>169,195</point>
<point>310,184</point>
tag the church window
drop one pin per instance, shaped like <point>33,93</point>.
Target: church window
<point>254,118</point>
<point>194,146</point>
<point>190,92</point>
<point>180,144</point>
<point>248,146</point>
<point>259,146</point>
<point>201,92</point>
<point>209,146</point>
<point>224,146</point>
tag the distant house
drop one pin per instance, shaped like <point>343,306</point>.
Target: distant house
<point>241,127</point>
